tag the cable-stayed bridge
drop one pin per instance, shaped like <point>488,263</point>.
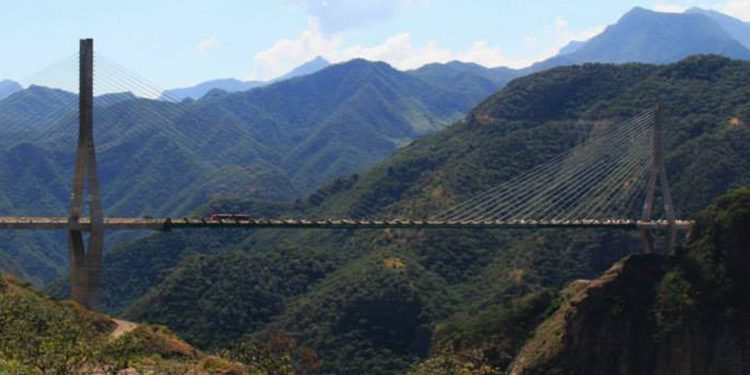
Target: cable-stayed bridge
<point>114,224</point>
<point>610,180</point>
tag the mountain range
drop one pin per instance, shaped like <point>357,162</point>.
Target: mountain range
<point>646,36</point>
<point>641,35</point>
<point>282,141</point>
<point>367,300</point>
<point>361,139</point>
<point>275,143</point>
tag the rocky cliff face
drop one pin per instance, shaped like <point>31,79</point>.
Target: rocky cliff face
<point>685,314</point>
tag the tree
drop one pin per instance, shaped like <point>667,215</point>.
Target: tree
<point>50,340</point>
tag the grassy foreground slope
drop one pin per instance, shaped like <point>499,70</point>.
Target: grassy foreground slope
<point>40,336</point>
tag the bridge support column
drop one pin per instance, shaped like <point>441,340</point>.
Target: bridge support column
<point>86,266</point>
<point>659,175</point>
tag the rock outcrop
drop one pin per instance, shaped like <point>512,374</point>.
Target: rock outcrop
<point>686,314</point>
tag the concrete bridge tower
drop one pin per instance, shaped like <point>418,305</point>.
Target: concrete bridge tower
<point>86,265</point>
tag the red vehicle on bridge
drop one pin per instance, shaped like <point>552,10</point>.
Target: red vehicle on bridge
<point>234,217</point>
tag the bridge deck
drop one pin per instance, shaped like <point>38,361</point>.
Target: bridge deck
<point>114,224</point>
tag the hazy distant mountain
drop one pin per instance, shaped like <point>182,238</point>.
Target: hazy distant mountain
<point>234,85</point>
<point>646,36</point>
<point>8,87</point>
<point>114,98</point>
<point>499,75</point>
<point>198,91</point>
<point>310,67</point>
<point>737,29</point>
<point>471,79</point>
<point>640,35</point>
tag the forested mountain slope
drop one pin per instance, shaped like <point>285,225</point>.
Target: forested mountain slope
<point>40,335</point>
<point>378,300</point>
<point>158,158</point>
<point>652,315</point>
<point>281,142</point>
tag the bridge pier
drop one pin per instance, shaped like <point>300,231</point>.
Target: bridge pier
<point>85,266</point>
<point>658,175</point>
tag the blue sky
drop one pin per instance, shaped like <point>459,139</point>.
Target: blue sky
<point>181,42</point>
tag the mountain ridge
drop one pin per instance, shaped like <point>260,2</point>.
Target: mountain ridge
<point>738,29</point>
<point>231,85</point>
<point>310,67</point>
<point>8,87</point>
<point>647,36</point>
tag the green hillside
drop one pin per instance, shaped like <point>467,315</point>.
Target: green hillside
<point>654,315</point>
<point>275,143</point>
<point>40,335</point>
<point>379,300</point>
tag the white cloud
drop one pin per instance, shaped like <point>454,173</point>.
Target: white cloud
<point>552,38</point>
<point>564,34</point>
<point>339,15</point>
<point>287,53</point>
<point>207,43</point>
<point>402,52</point>
<point>484,54</point>
<point>399,50</point>
<point>736,8</point>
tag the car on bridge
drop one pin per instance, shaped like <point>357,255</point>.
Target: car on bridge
<point>234,217</point>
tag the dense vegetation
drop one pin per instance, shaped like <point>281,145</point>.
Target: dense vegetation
<point>695,299</point>
<point>40,336</point>
<point>658,315</point>
<point>283,141</point>
<point>275,143</point>
<point>707,284</point>
<point>381,300</point>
